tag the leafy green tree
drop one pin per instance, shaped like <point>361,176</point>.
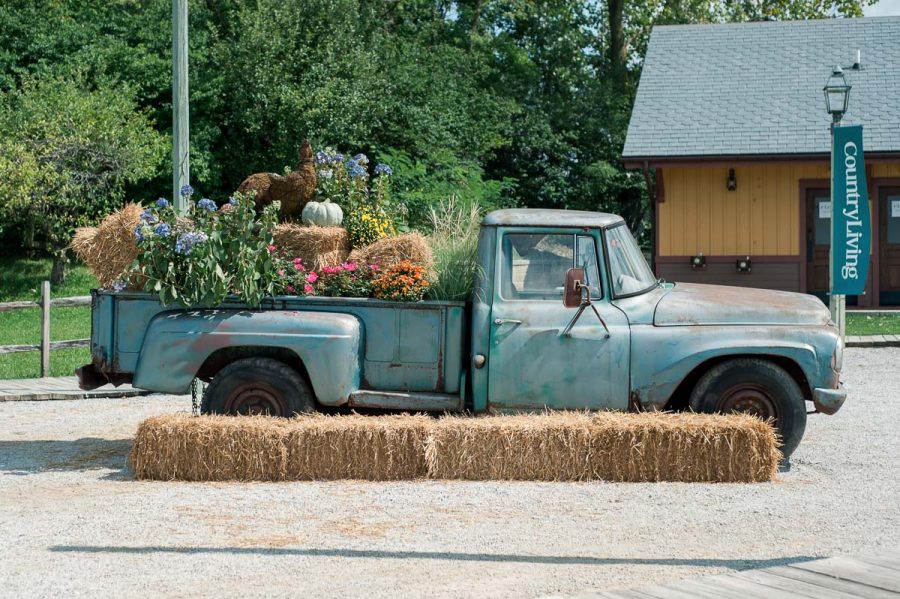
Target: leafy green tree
<point>66,154</point>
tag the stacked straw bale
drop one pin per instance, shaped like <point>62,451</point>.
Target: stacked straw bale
<point>316,246</point>
<point>554,446</point>
<point>607,446</point>
<point>109,250</point>
<point>259,448</point>
<point>389,251</point>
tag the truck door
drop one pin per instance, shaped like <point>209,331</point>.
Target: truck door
<point>531,365</point>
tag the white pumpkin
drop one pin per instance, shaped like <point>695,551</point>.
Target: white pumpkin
<point>322,214</point>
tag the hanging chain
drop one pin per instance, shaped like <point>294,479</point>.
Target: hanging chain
<point>196,396</point>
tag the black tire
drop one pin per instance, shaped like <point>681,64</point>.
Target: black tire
<point>258,386</point>
<point>755,386</point>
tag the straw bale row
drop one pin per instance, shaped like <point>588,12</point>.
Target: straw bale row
<point>554,446</point>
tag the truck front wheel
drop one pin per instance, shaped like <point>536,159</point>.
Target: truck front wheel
<point>757,387</point>
<point>258,386</point>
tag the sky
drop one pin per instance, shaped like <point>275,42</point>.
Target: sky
<point>883,8</point>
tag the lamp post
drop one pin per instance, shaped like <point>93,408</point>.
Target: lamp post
<point>837,98</point>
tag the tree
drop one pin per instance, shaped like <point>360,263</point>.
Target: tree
<point>66,154</point>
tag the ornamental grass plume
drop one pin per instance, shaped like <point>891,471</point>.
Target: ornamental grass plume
<point>454,243</point>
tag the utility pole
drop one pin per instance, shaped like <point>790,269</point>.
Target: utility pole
<point>181,168</point>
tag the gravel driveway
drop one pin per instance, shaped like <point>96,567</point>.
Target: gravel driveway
<point>73,523</point>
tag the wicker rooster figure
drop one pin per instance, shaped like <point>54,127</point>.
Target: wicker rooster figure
<point>293,190</point>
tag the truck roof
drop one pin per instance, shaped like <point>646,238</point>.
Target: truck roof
<point>545,217</point>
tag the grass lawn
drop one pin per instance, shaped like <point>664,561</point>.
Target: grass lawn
<point>873,324</point>
<point>20,279</point>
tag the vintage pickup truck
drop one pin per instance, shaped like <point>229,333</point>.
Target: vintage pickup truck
<point>566,314</point>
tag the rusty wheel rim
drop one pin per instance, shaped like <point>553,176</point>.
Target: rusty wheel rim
<point>255,399</point>
<point>749,399</point>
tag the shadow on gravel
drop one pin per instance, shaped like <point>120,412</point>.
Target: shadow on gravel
<point>32,457</point>
<point>734,564</point>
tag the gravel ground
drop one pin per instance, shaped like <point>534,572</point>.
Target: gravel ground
<point>74,523</point>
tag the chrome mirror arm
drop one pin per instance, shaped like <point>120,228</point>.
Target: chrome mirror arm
<point>585,302</point>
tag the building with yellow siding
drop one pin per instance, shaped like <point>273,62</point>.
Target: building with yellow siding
<point>730,125</point>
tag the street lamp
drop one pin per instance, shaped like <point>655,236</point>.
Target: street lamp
<point>837,98</point>
<point>837,94</point>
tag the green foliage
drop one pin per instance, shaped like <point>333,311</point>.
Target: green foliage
<point>22,279</point>
<point>201,259</point>
<point>454,242</point>
<point>498,102</point>
<point>66,154</point>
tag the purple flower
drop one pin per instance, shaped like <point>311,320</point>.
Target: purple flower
<point>356,170</point>
<point>322,157</point>
<point>162,203</point>
<point>361,158</point>
<point>207,204</point>
<point>148,217</point>
<point>187,241</point>
<point>186,191</point>
<point>139,233</point>
<point>335,158</point>
<point>163,230</point>
<point>382,168</point>
<point>233,201</point>
<point>119,285</point>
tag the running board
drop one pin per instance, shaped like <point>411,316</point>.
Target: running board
<point>413,401</point>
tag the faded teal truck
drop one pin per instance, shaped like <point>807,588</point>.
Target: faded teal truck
<point>566,314</point>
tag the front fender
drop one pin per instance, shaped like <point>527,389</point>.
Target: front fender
<point>177,343</point>
<point>663,356</point>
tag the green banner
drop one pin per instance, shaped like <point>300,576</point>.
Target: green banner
<point>851,234</point>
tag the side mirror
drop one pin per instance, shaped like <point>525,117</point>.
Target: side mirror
<point>572,287</point>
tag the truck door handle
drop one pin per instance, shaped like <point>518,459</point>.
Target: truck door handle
<point>499,321</point>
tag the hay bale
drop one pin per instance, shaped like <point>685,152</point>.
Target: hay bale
<point>109,252</point>
<point>606,446</point>
<point>389,251</point>
<point>317,246</point>
<point>309,447</point>
<point>554,446</point>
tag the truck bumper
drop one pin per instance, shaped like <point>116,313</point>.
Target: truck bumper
<point>829,401</point>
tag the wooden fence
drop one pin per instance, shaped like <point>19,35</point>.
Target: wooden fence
<point>46,346</point>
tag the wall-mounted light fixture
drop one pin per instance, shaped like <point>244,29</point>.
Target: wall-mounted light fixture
<point>743,264</point>
<point>731,184</point>
<point>698,261</point>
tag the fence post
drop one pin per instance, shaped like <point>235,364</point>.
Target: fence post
<point>45,328</point>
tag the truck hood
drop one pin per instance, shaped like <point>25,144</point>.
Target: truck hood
<point>692,304</point>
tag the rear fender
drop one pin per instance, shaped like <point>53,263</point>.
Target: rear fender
<point>178,343</point>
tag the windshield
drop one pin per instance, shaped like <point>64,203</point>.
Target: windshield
<point>629,270</point>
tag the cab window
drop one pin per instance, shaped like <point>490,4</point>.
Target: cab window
<point>534,265</point>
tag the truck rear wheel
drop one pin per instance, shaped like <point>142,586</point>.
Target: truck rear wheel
<point>757,387</point>
<point>258,386</point>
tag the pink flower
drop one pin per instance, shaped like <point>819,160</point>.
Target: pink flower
<point>373,266</point>
<point>349,266</point>
<point>271,249</point>
<point>290,289</point>
<point>281,272</point>
<point>312,277</point>
<point>299,267</point>
<point>330,270</point>
<point>308,288</point>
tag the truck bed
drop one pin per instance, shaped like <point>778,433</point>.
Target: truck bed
<point>407,346</point>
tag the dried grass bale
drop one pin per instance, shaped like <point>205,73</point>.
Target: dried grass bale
<point>109,252</point>
<point>293,190</point>
<point>605,446</point>
<point>389,251</point>
<point>554,446</point>
<point>261,448</point>
<point>317,246</point>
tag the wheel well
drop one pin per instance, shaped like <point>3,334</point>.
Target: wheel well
<point>221,358</point>
<point>681,396</point>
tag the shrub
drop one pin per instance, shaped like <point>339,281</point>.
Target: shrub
<point>201,259</point>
